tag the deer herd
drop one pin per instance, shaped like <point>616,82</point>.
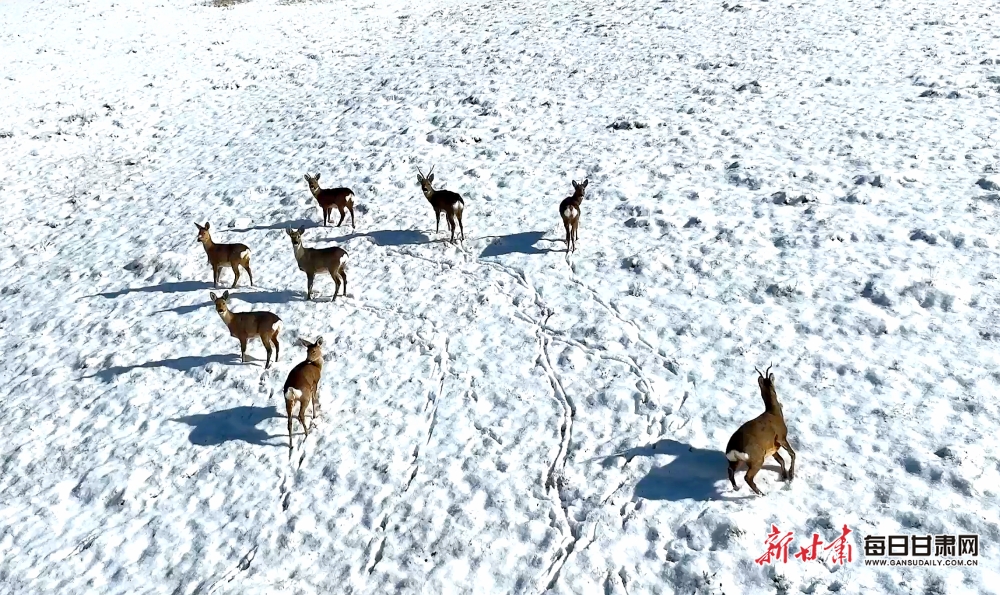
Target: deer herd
<point>752,443</point>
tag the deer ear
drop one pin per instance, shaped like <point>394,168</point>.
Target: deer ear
<point>430,178</point>
<point>207,225</point>
<point>304,343</point>
<point>306,177</point>
<point>585,182</point>
<point>212,295</point>
<point>317,176</point>
<point>319,341</point>
<point>225,296</point>
<point>302,229</point>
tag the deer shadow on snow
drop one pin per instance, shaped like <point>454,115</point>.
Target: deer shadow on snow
<point>520,243</point>
<point>181,364</point>
<point>294,224</point>
<point>693,474</point>
<point>172,287</point>
<point>234,424</point>
<point>388,237</point>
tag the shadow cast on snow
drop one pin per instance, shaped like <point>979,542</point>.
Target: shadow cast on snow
<point>226,425</point>
<point>182,310</point>
<point>388,237</point>
<point>691,475</point>
<point>173,287</point>
<point>181,364</point>
<point>294,224</point>
<point>520,243</point>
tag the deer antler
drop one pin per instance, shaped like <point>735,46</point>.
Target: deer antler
<point>767,372</point>
<point>421,173</point>
<point>758,371</point>
<point>432,170</point>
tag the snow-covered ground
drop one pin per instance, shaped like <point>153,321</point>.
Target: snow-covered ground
<point>495,417</point>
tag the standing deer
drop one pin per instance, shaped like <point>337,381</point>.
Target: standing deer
<point>302,385</point>
<point>569,210</point>
<point>761,437</point>
<point>444,201</point>
<point>342,198</point>
<point>219,255</point>
<point>247,325</point>
<point>317,260</point>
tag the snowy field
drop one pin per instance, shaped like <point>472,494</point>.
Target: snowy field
<point>813,184</point>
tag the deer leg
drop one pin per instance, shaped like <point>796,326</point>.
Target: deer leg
<point>216,271</point>
<point>437,214</point>
<point>460,226</point>
<point>236,272</point>
<point>267,347</point>
<point>755,466</point>
<point>336,284</point>
<point>781,461</point>
<point>451,225</point>
<point>243,349</point>
<point>569,233</point>
<point>309,285</point>
<point>246,265</point>
<point>733,466</point>
<point>288,409</point>
<point>343,212</point>
<point>315,402</point>
<point>350,207</point>
<point>303,405</point>
<point>277,347</point>
<point>343,275</point>
<point>791,467</point>
<point>326,216</point>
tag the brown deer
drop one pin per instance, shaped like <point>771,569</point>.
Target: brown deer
<point>302,385</point>
<point>444,201</point>
<point>219,255</point>
<point>247,325</point>
<point>332,260</point>
<point>569,210</point>
<point>342,198</point>
<point>761,437</point>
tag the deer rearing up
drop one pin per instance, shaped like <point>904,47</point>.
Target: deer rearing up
<point>220,255</point>
<point>317,260</point>
<point>761,437</point>
<point>342,198</point>
<point>569,210</point>
<point>443,201</point>
<point>247,325</point>
<point>302,385</point>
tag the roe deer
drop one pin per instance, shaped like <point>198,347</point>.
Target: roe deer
<point>443,201</point>
<point>247,325</point>
<point>761,437</point>
<point>219,255</point>
<point>569,210</point>
<point>302,385</point>
<point>332,260</point>
<point>342,198</point>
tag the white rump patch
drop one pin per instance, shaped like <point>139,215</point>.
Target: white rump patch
<point>293,394</point>
<point>569,212</point>
<point>245,254</point>
<point>735,455</point>
<point>276,327</point>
